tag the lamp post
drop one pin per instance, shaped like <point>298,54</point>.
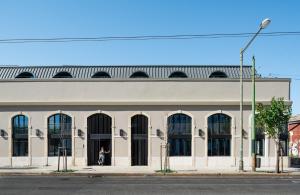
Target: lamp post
<point>262,26</point>
<point>253,133</point>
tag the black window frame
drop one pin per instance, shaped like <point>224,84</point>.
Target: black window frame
<point>19,135</point>
<point>180,135</point>
<point>62,74</point>
<point>139,75</point>
<point>178,74</point>
<point>219,139</point>
<point>284,142</point>
<point>139,140</point>
<point>260,142</point>
<point>101,75</point>
<point>218,74</point>
<point>25,75</point>
<point>56,137</point>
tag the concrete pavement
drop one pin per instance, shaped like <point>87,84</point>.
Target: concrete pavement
<point>136,170</point>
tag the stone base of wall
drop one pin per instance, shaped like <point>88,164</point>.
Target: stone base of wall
<point>176,163</point>
<point>4,161</point>
<point>121,162</point>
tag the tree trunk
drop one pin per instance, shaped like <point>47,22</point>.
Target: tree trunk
<point>281,157</point>
<point>277,156</point>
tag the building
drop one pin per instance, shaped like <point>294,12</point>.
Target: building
<point>131,111</point>
<point>294,133</point>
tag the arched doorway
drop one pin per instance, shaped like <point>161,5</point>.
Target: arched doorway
<point>99,135</point>
<point>139,140</point>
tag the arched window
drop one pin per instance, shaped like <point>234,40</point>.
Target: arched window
<point>218,74</point>
<point>20,135</point>
<point>24,75</point>
<point>178,74</point>
<point>219,135</point>
<point>139,74</point>
<point>139,140</point>
<point>101,75</point>
<point>63,75</point>
<point>179,134</point>
<point>59,134</point>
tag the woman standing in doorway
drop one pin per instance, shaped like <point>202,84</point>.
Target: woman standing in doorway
<point>101,159</point>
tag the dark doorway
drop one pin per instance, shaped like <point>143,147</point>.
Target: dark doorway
<point>99,135</point>
<point>139,140</point>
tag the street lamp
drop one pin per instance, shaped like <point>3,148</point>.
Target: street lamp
<point>262,26</point>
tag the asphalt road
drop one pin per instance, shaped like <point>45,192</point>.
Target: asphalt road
<point>46,185</point>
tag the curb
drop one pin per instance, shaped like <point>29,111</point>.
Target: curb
<point>152,174</point>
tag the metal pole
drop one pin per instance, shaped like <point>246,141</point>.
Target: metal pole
<point>253,132</point>
<point>168,162</point>
<point>58,159</point>
<point>166,153</point>
<point>66,164</point>
<point>161,157</point>
<point>241,164</point>
<point>281,157</point>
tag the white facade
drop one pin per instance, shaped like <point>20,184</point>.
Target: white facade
<point>123,98</point>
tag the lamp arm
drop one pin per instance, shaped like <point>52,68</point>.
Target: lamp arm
<point>249,43</point>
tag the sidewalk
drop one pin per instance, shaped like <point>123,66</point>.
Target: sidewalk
<point>140,171</point>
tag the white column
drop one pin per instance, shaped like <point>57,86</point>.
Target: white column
<point>30,145</point>
<point>45,134</point>
<point>206,145</point>
<point>9,139</point>
<point>149,143</point>
<point>85,145</point>
<point>73,141</point>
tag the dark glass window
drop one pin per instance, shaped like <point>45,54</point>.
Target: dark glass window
<point>284,142</point>
<point>24,75</point>
<point>139,140</point>
<point>101,75</point>
<point>260,142</point>
<point>219,135</point>
<point>177,74</point>
<point>139,74</point>
<point>63,75</point>
<point>218,74</point>
<point>59,134</point>
<point>20,135</point>
<point>179,134</point>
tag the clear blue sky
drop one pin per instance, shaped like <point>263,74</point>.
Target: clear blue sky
<point>278,56</point>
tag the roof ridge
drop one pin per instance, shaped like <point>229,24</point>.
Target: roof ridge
<point>117,66</point>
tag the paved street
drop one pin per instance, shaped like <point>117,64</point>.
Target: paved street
<point>12,185</point>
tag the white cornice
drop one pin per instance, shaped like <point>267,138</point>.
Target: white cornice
<point>137,102</point>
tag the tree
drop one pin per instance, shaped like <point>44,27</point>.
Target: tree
<point>274,119</point>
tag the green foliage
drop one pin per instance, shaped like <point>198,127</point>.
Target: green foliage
<point>273,118</point>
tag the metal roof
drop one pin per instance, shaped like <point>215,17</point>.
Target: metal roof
<point>124,72</point>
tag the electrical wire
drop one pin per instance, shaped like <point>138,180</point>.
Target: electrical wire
<point>144,37</point>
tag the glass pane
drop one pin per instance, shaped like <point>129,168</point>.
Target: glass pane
<point>179,135</point>
<point>59,134</point>
<point>219,135</point>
